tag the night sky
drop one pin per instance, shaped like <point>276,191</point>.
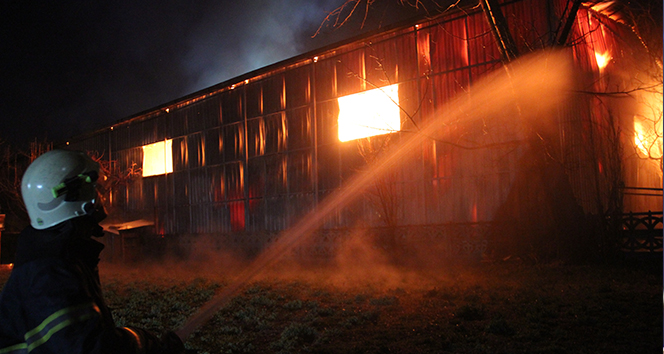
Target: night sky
<point>69,67</point>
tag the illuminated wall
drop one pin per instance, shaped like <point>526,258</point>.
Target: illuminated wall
<point>258,152</point>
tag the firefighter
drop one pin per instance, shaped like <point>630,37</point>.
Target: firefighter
<point>52,302</point>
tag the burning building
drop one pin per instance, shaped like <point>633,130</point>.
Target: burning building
<point>246,159</point>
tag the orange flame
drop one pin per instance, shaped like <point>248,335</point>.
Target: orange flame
<point>639,138</point>
<point>603,59</point>
<point>648,142</point>
<point>369,113</point>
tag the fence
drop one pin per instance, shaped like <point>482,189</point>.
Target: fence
<point>641,232</point>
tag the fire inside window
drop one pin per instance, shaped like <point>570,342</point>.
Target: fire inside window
<point>369,113</point>
<point>158,158</point>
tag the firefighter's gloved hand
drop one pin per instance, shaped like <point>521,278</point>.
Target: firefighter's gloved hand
<point>171,343</point>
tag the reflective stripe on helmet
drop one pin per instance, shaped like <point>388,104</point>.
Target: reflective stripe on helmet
<point>73,183</point>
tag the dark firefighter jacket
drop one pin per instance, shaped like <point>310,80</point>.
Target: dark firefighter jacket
<point>52,301</point>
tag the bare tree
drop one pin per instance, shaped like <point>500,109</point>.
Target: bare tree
<point>350,9</point>
<point>642,20</point>
<point>13,164</point>
<point>609,136</point>
<point>112,177</point>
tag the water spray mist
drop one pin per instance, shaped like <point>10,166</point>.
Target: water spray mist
<point>536,84</point>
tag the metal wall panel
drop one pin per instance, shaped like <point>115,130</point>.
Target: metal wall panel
<point>258,155</point>
<point>326,121</point>
<point>201,219</point>
<point>298,86</point>
<point>256,217</point>
<point>449,46</point>
<point>234,142</point>
<point>300,171</point>
<point>276,133</point>
<point>299,205</point>
<point>381,63</point>
<point>181,187</point>
<point>528,21</point>
<point>325,79</point>
<point>165,200</point>
<point>276,171</point>
<point>217,183</point>
<point>231,106</point>
<point>195,150</point>
<point>352,161</point>
<point>234,177</point>
<point>149,135</point>
<point>410,105</point>
<point>256,177</point>
<point>351,77</point>
<point>197,113</point>
<point>255,137</point>
<point>276,213</point>
<point>274,94</point>
<point>300,128</point>
<point>214,146</point>
<point>407,58</point>
<point>178,119</point>
<point>211,112</point>
<point>329,173</point>
<point>482,47</point>
<point>220,218</point>
<point>254,101</point>
<point>180,154</point>
<point>199,183</point>
<point>182,219</point>
<point>163,127</point>
<point>450,85</point>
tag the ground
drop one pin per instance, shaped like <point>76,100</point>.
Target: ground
<point>480,308</point>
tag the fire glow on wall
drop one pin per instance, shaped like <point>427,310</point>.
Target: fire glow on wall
<point>158,158</point>
<point>369,113</point>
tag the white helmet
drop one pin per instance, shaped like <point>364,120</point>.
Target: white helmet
<point>59,185</point>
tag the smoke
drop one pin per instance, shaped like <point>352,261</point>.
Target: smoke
<point>229,41</point>
<point>233,40</point>
<point>75,67</point>
<point>359,260</point>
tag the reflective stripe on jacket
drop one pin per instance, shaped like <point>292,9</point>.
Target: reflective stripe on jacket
<point>52,301</point>
<point>53,324</point>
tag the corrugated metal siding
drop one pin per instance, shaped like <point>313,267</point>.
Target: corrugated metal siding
<point>529,23</point>
<point>259,155</point>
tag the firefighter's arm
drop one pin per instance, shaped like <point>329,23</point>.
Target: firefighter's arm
<point>65,320</point>
<point>59,317</point>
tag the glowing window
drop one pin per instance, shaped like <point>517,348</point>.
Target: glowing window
<point>158,158</point>
<point>369,113</point>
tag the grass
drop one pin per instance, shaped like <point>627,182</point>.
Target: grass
<point>488,308</point>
